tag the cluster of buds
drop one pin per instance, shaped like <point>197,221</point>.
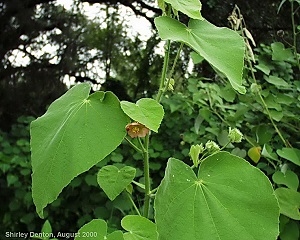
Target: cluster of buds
<point>234,135</point>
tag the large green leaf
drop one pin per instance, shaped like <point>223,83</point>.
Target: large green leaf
<point>113,180</point>
<point>139,228</point>
<point>191,8</point>
<point>146,111</point>
<point>221,47</point>
<point>97,230</point>
<point>75,133</point>
<point>289,202</point>
<point>229,199</point>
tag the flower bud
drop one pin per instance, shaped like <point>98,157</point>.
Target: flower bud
<point>195,150</point>
<point>211,146</point>
<point>235,135</point>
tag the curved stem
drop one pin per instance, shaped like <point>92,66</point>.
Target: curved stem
<point>133,145</point>
<point>133,204</point>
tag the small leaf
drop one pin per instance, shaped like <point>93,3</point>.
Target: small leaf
<point>289,179</point>
<point>227,93</point>
<point>97,229</point>
<point>113,180</point>
<point>254,154</point>
<point>280,53</point>
<point>268,153</point>
<point>139,228</point>
<point>291,154</point>
<point>191,8</point>
<point>146,111</point>
<point>264,134</point>
<point>228,198</point>
<point>161,4</point>
<point>264,68</point>
<point>277,116</point>
<point>116,235</point>
<point>223,48</point>
<point>47,229</point>
<point>278,82</point>
<point>289,202</point>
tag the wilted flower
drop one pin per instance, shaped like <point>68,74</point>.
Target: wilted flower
<point>235,135</point>
<point>136,129</point>
<point>211,146</point>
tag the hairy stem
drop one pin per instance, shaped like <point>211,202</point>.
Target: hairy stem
<point>173,68</point>
<point>147,177</point>
<point>164,71</point>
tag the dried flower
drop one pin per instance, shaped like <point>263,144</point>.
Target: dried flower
<point>136,129</point>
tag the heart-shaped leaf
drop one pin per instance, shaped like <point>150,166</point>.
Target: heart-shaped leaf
<point>229,199</point>
<point>139,228</point>
<point>146,111</point>
<point>191,8</point>
<point>289,179</point>
<point>280,53</point>
<point>223,48</point>
<point>113,180</point>
<point>97,229</point>
<point>75,133</point>
<point>291,154</point>
<point>289,202</point>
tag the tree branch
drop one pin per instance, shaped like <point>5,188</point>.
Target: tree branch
<point>130,4</point>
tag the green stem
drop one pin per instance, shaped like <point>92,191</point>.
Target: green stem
<point>133,204</point>
<point>173,68</point>
<point>147,177</point>
<point>221,149</point>
<point>294,34</point>
<point>133,145</point>
<point>138,184</point>
<point>142,145</point>
<point>153,190</point>
<point>164,71</point>
<point>265,105</point>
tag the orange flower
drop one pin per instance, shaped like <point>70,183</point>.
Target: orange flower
<point>136,129</point>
